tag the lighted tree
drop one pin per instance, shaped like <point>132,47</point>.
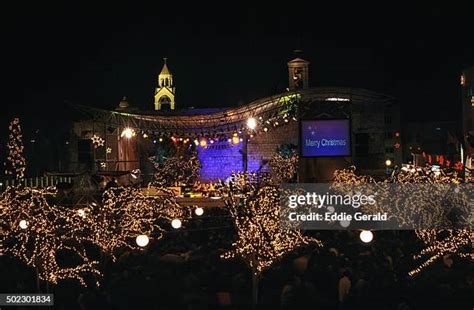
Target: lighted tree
<point>15,164</point>
<point>424,205</point>
<point>177,169</point>
<point>38,233</point>
<point>442,242</point>
<point>261,239</point>
<point>284,164</point>
<point>126,213</point>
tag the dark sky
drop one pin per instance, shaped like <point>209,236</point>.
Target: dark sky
<point>223,55</point>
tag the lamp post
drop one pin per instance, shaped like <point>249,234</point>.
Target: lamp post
<point>251,125</point>
<point>366,236</point>
<point>127,133</point>
<point>142,240</point>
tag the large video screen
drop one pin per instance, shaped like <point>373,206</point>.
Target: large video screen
<point>325,138</point>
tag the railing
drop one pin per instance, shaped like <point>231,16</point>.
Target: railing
<point>39,182</point>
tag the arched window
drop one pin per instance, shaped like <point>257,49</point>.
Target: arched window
<point>166,82</point>
<point>165,102</point>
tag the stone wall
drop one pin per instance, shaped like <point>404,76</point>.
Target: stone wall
<point>263,146</point>
<point>219,160</point>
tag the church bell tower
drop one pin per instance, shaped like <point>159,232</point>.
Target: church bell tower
<point>298,73</point>
<point>164,93</point>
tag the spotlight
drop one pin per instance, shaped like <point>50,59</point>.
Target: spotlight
<point>128,133</point>
<point>251,123</point>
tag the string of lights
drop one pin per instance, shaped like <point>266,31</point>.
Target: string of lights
<point>283,168</point>
<point>438,242</point>
<point>15,164</point>
<point>203,133</point>
<point>254,206</point>
<point>267,114</point>
<point>176,170</point>
<point>37,232</point>
<point>127,217</point>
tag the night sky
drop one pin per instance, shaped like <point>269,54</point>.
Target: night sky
<point>229,54</point>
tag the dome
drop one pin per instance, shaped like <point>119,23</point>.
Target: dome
<point>123,103</point>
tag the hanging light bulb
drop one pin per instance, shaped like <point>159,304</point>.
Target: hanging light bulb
<point>128,133</point>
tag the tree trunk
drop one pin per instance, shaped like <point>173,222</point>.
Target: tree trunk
<point>254,289</point>
<point>38,286</point>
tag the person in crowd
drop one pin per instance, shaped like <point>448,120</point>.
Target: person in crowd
<point>344,287</point>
